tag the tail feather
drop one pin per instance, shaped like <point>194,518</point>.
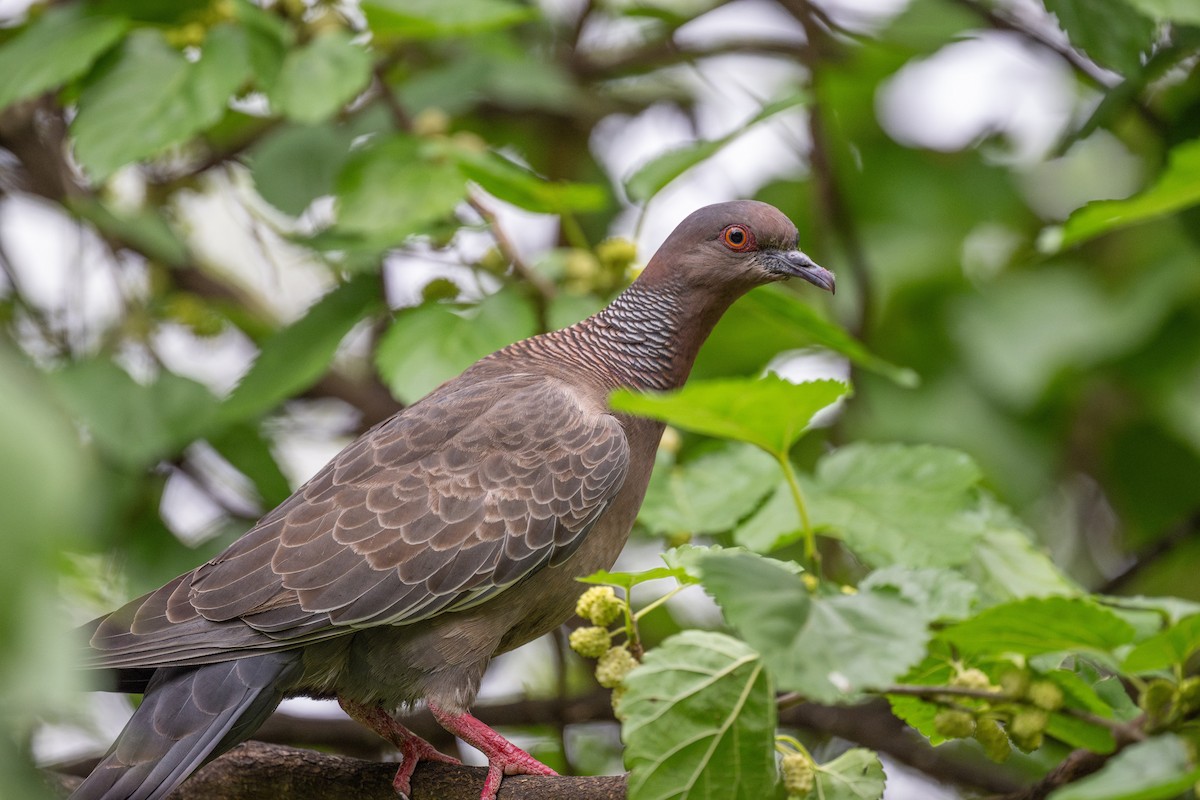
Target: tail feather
<point>189,716</point>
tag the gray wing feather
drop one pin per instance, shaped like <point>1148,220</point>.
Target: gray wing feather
<point>189,716</point>
<point>440,508</point>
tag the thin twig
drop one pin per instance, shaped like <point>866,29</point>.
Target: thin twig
<point>400,118</point>
<point>1128,731</point>
<point>832,201</point>
<point>1181,534</point>
<point>32,312</point>
<point>1084,66</point>
<point>544,290</point>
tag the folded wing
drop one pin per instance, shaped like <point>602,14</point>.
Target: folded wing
<point>439,508</point>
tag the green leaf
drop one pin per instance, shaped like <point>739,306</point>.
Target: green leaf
<point>655,174</point>
<point>57,47</point>
<point>1173,609</point>
<point>941,594</point>
<point>936,669</point>
<point>223,67</point>
<point>1035,326</point>
<point>297,164</point>
<point>316,80</point>
<point>698,721</point>
<point>1006,565</point>
<point>1171,648</point>
<point>899,504</point>
<point>149,97</point>
<point>434,19</point>
<point>1080,692</point>
<point>1177,188</point>
<point>48,493</point>
<point>627,580</point>
<point>153,11</point>
<point>651,177</point>
<point>1040,625</point>
<point>1076,733</point>
<point>770,412</point>
<point>1156,769</point>
<point>133,423</point>
<point>774,524</point>
<point>689,559</point>
<point>242,445</point>
<point>856,774</point>
<point>429,344</point>
<point>268,40</point>
<point>134,109</point>
<point>825,648</point>
<point>682,564</point>
<point>147,230</point>
<point>392,189</point>
<point>786,310</point>
<point>500,71</point>
<point>1186,11</point>
<point>1110,31</point>
<point>523,188</point>
<point>708,494</point>
<point>295,357</point>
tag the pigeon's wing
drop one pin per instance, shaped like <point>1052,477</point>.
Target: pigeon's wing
<point>459,497</point>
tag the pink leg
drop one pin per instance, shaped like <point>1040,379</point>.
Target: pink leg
<point>412,747</point>
<point>504,757</point>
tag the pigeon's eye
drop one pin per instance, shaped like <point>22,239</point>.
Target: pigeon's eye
<point>736,237</point>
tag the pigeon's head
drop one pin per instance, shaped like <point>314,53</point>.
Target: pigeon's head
<point>735,245</point>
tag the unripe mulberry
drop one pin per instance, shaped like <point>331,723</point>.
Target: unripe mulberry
<point>972,679</point>
<point>591,642</point>
<point>993,739</point>
<point>954,723</point>
<point>1158,700</point>
<point>599,604</point>
<point>799,777</point>
<point>1046,695</point>
<point>1027,728</point>
<point>1015,682</point>
<point>614,666</point>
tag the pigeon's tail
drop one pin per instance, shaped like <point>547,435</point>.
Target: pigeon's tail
<point>189,716</point>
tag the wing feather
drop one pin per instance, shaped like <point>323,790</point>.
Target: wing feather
<point>440,508</point>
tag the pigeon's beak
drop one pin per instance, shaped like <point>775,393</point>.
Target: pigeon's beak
<point>795,264</point>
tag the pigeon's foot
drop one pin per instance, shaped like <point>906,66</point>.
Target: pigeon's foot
<point>504,757</point>
<point>413,748</point>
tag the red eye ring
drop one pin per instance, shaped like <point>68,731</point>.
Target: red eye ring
<point>738,238</point>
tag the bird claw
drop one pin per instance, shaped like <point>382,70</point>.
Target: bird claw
<point>414,750</point>
<point>514,761</point>
<point>504,757</point>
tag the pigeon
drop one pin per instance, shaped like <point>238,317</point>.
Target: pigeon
<point>445,535</point>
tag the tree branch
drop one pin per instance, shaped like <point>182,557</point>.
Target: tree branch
<point>260,771</point>
<point>873,725</point>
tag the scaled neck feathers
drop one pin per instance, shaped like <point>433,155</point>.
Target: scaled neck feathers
<point>646,339</point>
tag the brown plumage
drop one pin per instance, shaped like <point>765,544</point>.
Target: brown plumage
<point>443,536</point>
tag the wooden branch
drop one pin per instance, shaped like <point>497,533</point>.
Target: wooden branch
<point>259,771</point>
<point>868,724</point>
<point>873,725</point>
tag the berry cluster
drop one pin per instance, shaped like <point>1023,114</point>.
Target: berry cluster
<point>1017,717</point>
<point>601,606</point>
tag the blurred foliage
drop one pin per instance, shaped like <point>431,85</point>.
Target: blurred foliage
<point>1020,323</point>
